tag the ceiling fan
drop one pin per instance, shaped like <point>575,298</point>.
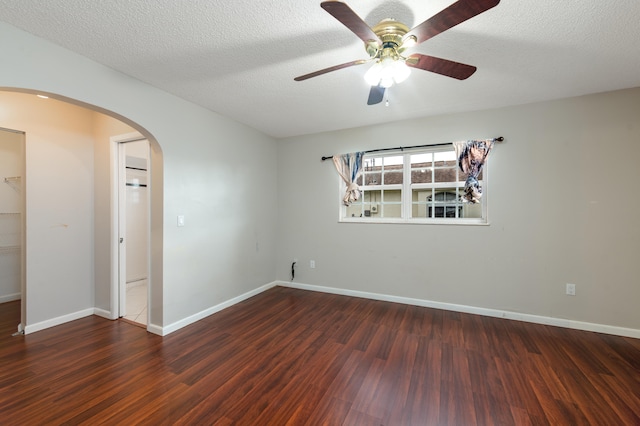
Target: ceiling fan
<point>386,42</point>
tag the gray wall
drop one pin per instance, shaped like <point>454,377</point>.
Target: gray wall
<point>561,210</point>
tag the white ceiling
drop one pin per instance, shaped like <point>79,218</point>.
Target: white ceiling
<point>239,58</point>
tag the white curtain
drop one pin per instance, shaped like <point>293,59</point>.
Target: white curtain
<point>471,157</point>
<point>349,167</point>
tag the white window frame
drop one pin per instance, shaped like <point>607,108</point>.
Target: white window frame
<point>406,194</point>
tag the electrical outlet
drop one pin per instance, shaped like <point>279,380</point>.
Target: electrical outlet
<point>571,289</point>
<point>312,264</point>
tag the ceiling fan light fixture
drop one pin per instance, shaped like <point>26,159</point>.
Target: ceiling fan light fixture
<point>409,42</point>
<point>386,72</point>
<point>400,71</point>
<point>387,41</point>
<point>386,82</point>
<point>372,76</point>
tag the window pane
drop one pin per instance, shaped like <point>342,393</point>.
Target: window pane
<point>368,163</point>
<point>393,161</point>
<point>419,206</point>
<point>354,210</point>
<point>391,203</point>
<point>374,178</point>
<point>371,203</point>
<point>445,174</point>
<point>418,159</point>
<point>372,171</point>
<point>421,171</point>
<point>392,196</point>
<point>392,177</point>
<point>423,175</point>
<point>444,157</point>
<point>391,210</point>
<point>444,203</point>
<point>471,210</point>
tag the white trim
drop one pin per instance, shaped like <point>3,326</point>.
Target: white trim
<point>32,328</point>
<point>537,319</point>
<point>10,297</point>
<point>155,329</point>
<point>210,311</point>
<point>104,313</point>
<point>417,221</point>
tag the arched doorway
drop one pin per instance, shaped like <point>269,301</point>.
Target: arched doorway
<point>69,207</point>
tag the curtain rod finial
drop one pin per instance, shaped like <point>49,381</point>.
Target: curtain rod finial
<point>327,158</point>
<point>499,139</point>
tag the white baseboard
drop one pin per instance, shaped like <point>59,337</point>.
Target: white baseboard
<point>163,331</point>
<point>32,328</point>
<point>10,297</point>
<point>203,314</point>
<point>155,329</point>
<point>103,313</point>
<point>538,319</point>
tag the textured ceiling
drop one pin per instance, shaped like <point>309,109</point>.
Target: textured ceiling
<point>239,58</point>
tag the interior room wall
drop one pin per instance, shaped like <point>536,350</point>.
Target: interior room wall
<point>58,185</point>
<point>561,210</point>
<point>221,175</point>
<point>11,161</point>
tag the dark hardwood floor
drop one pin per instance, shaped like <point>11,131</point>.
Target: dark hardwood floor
<point>293,357</point>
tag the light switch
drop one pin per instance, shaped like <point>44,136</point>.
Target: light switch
<point>180,220</point>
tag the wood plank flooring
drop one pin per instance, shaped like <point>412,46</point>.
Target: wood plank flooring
<point>293,357</point>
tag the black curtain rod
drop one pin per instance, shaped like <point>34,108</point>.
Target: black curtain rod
<point>402,148</point>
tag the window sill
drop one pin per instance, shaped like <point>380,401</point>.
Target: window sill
<point>416,221</point>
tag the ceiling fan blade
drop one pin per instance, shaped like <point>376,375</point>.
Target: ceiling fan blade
<point>441,66</point>
<point>333,68</point>
<point>453,15</point>
<point>376,95</point>
<point>349,19</point>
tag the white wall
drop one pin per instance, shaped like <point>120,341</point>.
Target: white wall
<point>219,174</point>
<point>561,210</point>
<point>11,162</point>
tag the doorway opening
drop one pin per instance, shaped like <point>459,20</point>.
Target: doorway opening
<point>132,187</point>
<point>12,223</point>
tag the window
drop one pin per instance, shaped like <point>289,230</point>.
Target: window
<point>414,187</point>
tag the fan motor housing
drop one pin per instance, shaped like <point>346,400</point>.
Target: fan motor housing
<point>391,31</point>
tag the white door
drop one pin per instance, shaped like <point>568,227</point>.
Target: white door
<point>132,229</point>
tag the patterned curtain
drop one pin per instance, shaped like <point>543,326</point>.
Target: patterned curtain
<point>349,167</point>
<point>471,157</point>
